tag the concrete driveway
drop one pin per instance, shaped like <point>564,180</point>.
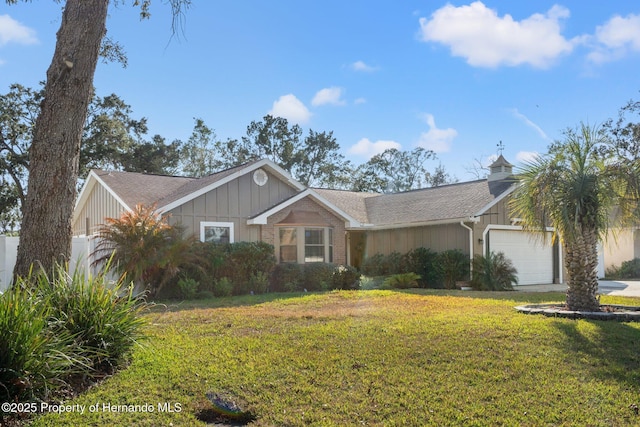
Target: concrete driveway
<point>627,288</point>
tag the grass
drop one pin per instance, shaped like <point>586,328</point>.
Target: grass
<point>379,358</point>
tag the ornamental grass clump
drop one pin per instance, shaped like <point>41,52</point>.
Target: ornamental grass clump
<point>33,358</point>
<point>103,316</point>
<point>493,272</point>
<point>402,281</point>
<point>57,328</point>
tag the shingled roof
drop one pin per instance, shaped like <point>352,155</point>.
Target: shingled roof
<point>452,202</point>
<point>134,188</point>
<point>447,202</point>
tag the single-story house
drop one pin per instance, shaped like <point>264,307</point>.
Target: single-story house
<point>259,201</point>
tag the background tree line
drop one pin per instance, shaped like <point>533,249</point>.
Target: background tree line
<point>114,139</point>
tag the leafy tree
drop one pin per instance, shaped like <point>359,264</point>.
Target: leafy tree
<point>272,138</point>
<point>625,134</point>
<point>393,171</point>
<point>110,134</point>
<point>198,153</point>
<point>439,177</point>
<point>112,139</point>
<point>18,111</point>
<point>155,156</point>
<point>582,188</point>
<point>55,150</point>
<point>321,164</point>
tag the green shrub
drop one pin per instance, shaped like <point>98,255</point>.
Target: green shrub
<point>627,270</point>
<point>286,277</point>
<point>317,276</point>
<point>55,326</point>
<point>259,282</point>
<point>188,287</point>
<point>222,287</point>
<point>423,261</point>
<point>369,283</point>
<point>33,359</point>
<point>452,266</point>
<point>257,260</point>
<point>494,272</point>
<point>254,258</point>
<point>373,265</point>
<point>103,317</point>
<point>402,281</point>
<point>345,277</point>
<point>384,265</point>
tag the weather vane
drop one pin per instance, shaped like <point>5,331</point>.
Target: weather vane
<point>500,146</point>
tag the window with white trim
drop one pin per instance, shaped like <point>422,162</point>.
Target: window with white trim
<point>216,232</point>
<point>288,244</point>
<point>305,244</point>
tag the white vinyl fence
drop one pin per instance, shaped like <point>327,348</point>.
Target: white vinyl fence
<point>81,250</point>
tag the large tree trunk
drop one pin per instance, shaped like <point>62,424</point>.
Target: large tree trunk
<point>581,261</point>
<point>45,235</point>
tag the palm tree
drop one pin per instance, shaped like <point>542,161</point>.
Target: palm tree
<point>144,248</point>
<point>582,189</point>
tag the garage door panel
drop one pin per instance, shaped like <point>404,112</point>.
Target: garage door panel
<point>532,257</point>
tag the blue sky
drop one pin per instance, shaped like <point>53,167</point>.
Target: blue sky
<point>453,77</point>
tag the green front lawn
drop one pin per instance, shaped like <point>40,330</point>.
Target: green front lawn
<point>376,358</point>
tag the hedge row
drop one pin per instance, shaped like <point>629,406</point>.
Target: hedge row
<point>436,270</point>
<point>250,267</point>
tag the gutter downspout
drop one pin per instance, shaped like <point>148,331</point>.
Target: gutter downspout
<point>470,245</point>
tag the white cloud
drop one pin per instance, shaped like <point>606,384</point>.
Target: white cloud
<point>438,140</point>
<point>328,96</point>
<point>359,101</point>
<point>290,108</point>
<point>368,149</point>
<point>616,38</point>
<point>11,31</point>
<point>485,39</point>
<point>529,123</point>
<point>527,156</point>
<point>362,66</point>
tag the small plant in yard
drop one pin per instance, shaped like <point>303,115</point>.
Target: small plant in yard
<point>627,270</point>
<point>317,276</point>
<point>103,317</point>
<point>285,277</point>
<point>222,287</point>
<point>259,282</point>
<point>453,266</point>
<point>402,281</point>
<point>33,358</point>
<point>188,287</point>
<point>345,277</point>
<point>57,326</point>
<point>495,272</point>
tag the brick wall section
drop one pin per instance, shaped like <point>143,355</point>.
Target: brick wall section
<point>308,204</point>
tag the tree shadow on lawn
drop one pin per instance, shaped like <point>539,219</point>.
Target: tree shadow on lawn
<point>611,351</point>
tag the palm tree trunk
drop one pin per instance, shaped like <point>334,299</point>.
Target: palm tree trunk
<point>581,262</point>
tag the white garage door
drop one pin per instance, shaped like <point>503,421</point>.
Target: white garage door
<point>530,256</point>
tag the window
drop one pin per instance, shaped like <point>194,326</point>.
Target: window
<point>216,232</point>
<point>314,245</point>
<point>288,245</point>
